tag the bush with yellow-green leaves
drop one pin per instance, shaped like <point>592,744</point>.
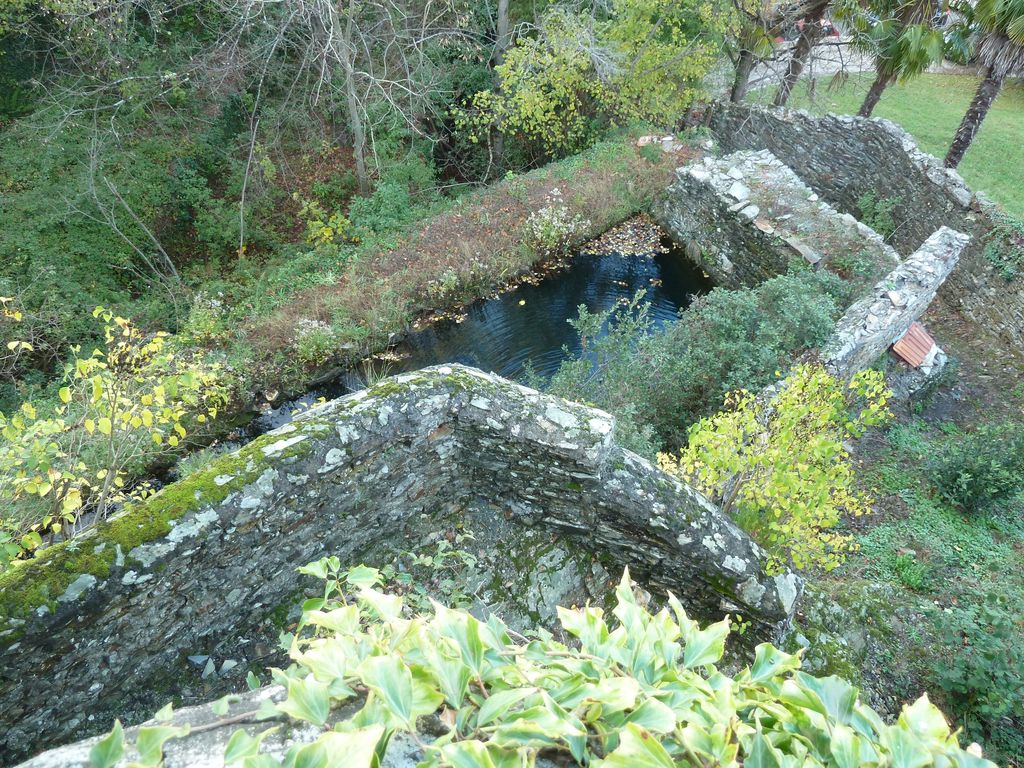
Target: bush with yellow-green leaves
<point>780,466</point>
<point>640,690</point>
<point>119,406</point>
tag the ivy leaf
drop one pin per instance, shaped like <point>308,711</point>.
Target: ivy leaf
<point>307,700</point>
<point>476,754</point>
<point>328,661</point>
<point>831,696</point>
<point>905,749</point>
<point>317,569</point>
<point>107,751</point>
<point>761,753</point>
<point>499,703</point>
<point>241,745</point>
<point>615,693</point>
<point>465,631</point>
<point>354,749</point>
<point>385,606</point>
<point>363,576</point>
<point>150,742</point>
<point>704,647</point>
<point>344,620</point>
<point>452,675</point>
<point>544,725</point>
<point>770,662</point>
<point>845,746</point>
<point>638,748</point>
<point>220,706</point>
<point>392,681</point>
<point>924,719</point>
<point>261,761</point>
<point>653,715</point>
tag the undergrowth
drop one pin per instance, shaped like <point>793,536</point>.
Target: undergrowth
<point>963,566</point>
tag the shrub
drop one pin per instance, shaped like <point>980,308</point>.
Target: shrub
<point>877,213</point>
<point>642,691</point>
<point>613,368</point>
<point>657,384</point>
<point>730,340</point>
<point>207,321</point>
<point>978,469</point>
<point>983,673</point>
<point>552,229</point>
<point>911,573</point>
<point>119,406</point>
<point>781,468</point>
<point>1004,245</point>
<point>315,342</point>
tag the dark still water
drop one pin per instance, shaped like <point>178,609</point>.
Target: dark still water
<point>529,325</point>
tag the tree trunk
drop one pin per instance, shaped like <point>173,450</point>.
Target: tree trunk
<point>744,66</point>
<point>809,37</point>
<point>355,113</point>
<point>501,43</point>
<point>500,46</point>
<point>987,91</point>
<point>874,94</point>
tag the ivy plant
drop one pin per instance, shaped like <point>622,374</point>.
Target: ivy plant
<point>635,690</point>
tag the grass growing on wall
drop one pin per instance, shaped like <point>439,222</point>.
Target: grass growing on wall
<point>930,108</point>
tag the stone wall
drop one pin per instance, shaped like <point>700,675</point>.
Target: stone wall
<point>876,321</point>
<point>843,158</point>
<point>744,217</point>
<point>209,734</point>
<point>105,626</point>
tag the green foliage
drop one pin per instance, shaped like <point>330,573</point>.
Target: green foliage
<point>610,372</point>
<point>983,677</point>
<point>445,570</point>
<point>974,585</point>
<point>781,468</point>
<point>315,343</point>
<point>1002,20</point>
<point>911,573</point>
<point>640,691</point>
<point>131,399</point>
<point>976,470</point>
<point>641,61</point>
<point>207,321</point>
<point>877,213</point>
<point>1004,245</point>
<point>658,384</point>
<point>553,228</point>
<point>323,228</point>
<point>898,33</point>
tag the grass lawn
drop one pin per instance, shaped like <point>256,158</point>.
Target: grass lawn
<point>930,108</point>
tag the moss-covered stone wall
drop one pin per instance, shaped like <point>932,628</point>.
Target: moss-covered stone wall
<point>105,625</point>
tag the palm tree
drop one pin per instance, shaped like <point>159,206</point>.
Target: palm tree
<point>1001,54</point>
<point>904,43</point>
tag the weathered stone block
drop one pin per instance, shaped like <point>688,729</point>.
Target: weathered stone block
<point>873,323</point>
<point>749,216</point>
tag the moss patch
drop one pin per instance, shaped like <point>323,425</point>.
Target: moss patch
<point>30,584</point>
